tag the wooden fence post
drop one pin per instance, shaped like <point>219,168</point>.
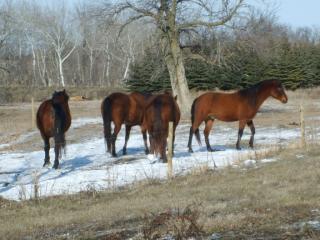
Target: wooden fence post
<point>33,115</point>
<point>170,150</point>
<point>302,126</point>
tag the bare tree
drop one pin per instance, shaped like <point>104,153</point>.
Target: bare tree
<point>6,22</point>
<point>58,32</point>
<point>172,17</point>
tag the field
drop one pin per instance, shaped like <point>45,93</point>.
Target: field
<point>271,191</point>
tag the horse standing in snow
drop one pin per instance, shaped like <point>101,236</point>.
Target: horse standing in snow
<point>127,109</point>
<point>161,109</point>
<point>239,106</point>
<point>53,120</point>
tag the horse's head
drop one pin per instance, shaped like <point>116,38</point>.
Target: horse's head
<point>277,91</point>
<point>60,97</point>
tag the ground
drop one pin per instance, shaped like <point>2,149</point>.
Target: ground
<point>86,168</point>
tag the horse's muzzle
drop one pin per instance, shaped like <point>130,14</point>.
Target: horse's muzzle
<point>284,99</point>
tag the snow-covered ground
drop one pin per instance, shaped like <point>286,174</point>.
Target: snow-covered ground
<point>86,165</point>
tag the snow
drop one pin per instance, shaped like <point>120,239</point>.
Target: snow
<point>86,165</point>
<point>80,122</point>
<point>250,163</point>
<point>76,123</point>
<point>268,160</point>
<point>20,139</point>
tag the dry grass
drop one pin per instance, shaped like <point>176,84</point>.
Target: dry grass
<point>261,202</point>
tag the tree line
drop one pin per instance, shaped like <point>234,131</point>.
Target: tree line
<point>102,44</point>
<point>236,58</point>
<point>55,44</point>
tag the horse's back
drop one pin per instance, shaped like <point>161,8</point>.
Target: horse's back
<point>221,106</point>
<point>116,105</point>
<point>163,107</point>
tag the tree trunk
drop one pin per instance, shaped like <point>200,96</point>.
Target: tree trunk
<point>179,84</point>
<point>125,74</point>
<point>61,72</point>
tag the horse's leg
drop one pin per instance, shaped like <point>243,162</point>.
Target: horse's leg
<point>206,131</point>
<point>190,140</point>
<point>144,135</point>
<point>128,129</point>
<point>163,154</point>
<point>253,131</point>
<point>46,151</point>
<point>193,129</point>
<point>173,139</point>
<point>151,144</point>
<point>57,149</point>
<point>116,130</point>
<point>242,125</point>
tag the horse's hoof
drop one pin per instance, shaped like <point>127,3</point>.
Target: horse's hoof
<point>114,155</point>
<point>147,152</point>
<point>55,166</point>
<point>190,150</point>
<point>210,150</point>
<point>46,163</point>
<point>124,152</point>
<point>238,148</point>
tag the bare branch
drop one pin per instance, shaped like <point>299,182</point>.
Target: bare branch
<point>4,69</point>
<point>128,22</point>
<point>202,23</point>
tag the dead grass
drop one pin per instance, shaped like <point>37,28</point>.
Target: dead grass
<point>256,203</point>
<point>264,202</point>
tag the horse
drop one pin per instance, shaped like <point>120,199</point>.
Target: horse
<point>53,120</point>
<point>160,110</point>
<point>239,106</point>
<point>121,108</point>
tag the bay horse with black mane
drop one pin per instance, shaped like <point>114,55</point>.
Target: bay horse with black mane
<point>53,120</point>
<point>239,106</point>
<point>127,109</point>
<point>161,109</point>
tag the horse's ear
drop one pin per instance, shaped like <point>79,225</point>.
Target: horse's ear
<point>176,97</point>
<point>64,90</point>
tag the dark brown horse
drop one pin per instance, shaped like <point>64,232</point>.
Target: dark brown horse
<point>239,106</point>
<point>53,120</point>
<point>161,109</point>
<point>122,108</point>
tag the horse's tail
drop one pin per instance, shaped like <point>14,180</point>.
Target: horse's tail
<point>107,118</point>
<point>59,127</point>
<point>158,131</point>
<point>196,133</point>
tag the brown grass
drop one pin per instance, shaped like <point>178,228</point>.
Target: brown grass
<point>261,202</point>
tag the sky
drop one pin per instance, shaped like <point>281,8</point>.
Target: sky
<point>297,13</point>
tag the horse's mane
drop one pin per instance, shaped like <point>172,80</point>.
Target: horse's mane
<point>252,92</point>
<point>58,106</point>
<point>60,119</point>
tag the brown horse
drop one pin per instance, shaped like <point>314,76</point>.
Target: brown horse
<point>161,109</point>
<point>239,106</point>
<point>122,108</point>
<point>53,120</point>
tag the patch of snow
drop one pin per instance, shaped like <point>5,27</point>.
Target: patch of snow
<point>86,165</point>
<point>314,224</point>
<point>249,163</point>
<point>215,236</point>
<point>268,160</point>
<point>22,138</point>
<point>76,123</point>
<point>79,122</point>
